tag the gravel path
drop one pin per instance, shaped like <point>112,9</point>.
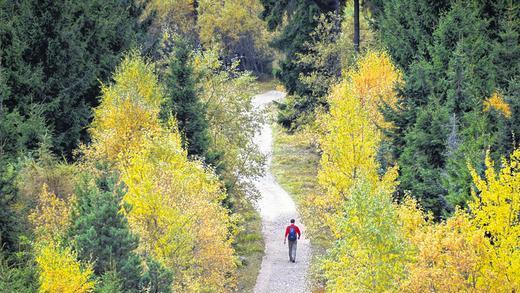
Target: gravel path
<point>276,207</point>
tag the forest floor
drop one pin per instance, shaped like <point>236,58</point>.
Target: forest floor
<point>276,208</point>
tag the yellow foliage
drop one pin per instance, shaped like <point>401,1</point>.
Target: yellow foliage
<point>51,215</point>
<point>176,210</point>
<point>230,18</point>
<point>351,135</point>
<point>373,83</point>
<point>373,251</point>
<point>396,247</point>
<point>449,257</point>
<point>233,122</point>
<point>497,102</point>
<point>175,203</point>
<point>61,272</point>
<point>165,8</point>
<point>176,15</point>
<point>471,252</point>
<point>128,111</point>
<point>496,210</point>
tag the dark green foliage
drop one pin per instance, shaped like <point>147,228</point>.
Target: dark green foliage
<point>8,217</point>
<point>157,278</point>
<point>101,233</point>
<point>422,159</point>
<point>512,129</point>
<point>109,283</point>
<point>293,40</point>
<point>183,102</point>
<point>453,61</point>
<point>54,53</point>
<point>18,273</point>
<point>406,27</point>
<point>19,134</point>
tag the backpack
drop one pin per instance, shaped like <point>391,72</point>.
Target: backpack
<point>292,234</point>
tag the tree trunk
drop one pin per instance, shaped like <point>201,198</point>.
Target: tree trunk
<point>356,26</point>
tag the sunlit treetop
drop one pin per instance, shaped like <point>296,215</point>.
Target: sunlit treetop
<point>129,110</point>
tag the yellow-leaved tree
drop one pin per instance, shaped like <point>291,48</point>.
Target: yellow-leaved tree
<point>233,122</point>
<point>449,256</point>
<point>351,136</point>
<point>235,27</point>
<point>229,20</point>
<point>475,251</point>
<point>496,211</point>
<point>175,203</point>
<point>128,113</point>
<point>371,251</point>
<point>60,271</point>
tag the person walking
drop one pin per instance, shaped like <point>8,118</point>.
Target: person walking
<point>292,233</point>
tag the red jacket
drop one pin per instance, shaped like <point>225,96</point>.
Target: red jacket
<point>295,228</point>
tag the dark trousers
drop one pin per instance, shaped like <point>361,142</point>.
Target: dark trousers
<point>292,250</point>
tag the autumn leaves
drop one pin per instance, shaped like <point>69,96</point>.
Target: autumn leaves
<point>381,245</point>
<point>175,203</point>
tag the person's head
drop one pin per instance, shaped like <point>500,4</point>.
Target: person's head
<point>292,221</point>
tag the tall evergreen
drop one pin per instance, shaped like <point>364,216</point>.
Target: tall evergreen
<point>406,27</point>
<point>101,234</point>
<point>451,68</point>
<point>293,40</point>
<point>8,217</point>
<point>54,53</point>
<point>184,103</point>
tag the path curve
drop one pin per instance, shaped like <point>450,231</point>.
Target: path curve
<point>276,208</point>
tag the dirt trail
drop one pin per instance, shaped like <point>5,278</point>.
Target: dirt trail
<point>276,207</point>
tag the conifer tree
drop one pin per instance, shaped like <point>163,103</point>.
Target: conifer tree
<point>101,233</point>
<point>453,74</point>
<point>294,39</point>
<point>54,53</point>
<point>183,101</point>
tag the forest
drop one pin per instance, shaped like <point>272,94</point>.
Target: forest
<point>128,159</point>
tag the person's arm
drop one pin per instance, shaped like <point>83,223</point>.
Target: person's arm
<point>298,231</point>
<point>286,233</point>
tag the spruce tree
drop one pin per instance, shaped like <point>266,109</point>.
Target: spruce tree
<point>100,232</point>
<point>422,159</point>
<point>293,40</point>
<point>453,74</point>
<point>54,53</point>
<point>406,27</point>
<point>184,103</point>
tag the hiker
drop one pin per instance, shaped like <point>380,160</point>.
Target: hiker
<point>290,234</point>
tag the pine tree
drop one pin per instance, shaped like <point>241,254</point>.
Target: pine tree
<point>8,218</point>
<point>303,18</point>
<point>454,73</point>
<point>55,52</point>
<point>422,160</point>
<point>184,103</point>
<point>406,27</point>
<point>101,233</point>
<point>156,278</point>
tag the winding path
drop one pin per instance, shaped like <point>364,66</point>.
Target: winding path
<point>276,208</point>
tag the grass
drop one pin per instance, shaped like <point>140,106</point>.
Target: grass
<point>249,247</point>
<point>268,84</point>
<point>295,164</point>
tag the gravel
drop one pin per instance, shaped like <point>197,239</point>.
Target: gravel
<point>276,208</point>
